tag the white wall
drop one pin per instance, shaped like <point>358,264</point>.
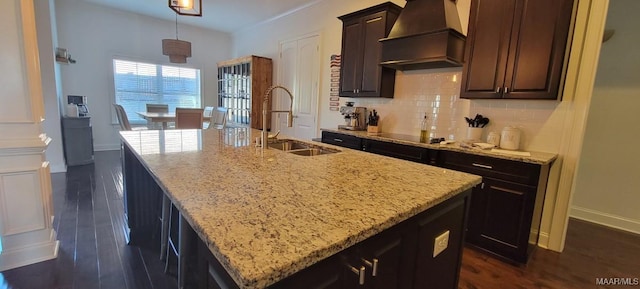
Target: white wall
<point>607,183</point>
<point>51,86</point>
<point>93,34</point>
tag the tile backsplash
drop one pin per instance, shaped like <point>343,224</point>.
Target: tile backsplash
<point>436,92</point>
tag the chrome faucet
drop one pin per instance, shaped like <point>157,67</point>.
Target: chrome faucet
<point>265,110</point>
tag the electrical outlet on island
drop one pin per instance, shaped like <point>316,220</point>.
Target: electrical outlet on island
<point>441,243</point>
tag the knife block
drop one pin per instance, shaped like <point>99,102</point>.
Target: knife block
<point>373,130</point>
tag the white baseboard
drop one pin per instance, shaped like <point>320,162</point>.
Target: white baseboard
<point>606,219</point>
<point>10,259</point>
<point>543,240</point>
<point>106,147</point>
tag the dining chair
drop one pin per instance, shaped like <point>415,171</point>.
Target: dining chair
<point>123,120</point>
<point>156,107</point>
<point>187,118</point>
<point>218,118</point>
<point>207,116</point>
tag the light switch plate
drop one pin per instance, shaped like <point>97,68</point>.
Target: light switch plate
<point>440,244</point>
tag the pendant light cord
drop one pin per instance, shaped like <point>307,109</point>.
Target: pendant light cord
<point>176,26</point>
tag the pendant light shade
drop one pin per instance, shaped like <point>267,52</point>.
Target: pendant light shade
<point>177,50</point>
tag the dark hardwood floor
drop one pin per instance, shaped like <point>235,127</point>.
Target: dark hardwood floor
<point>591,252</point>
<point>93,251</point>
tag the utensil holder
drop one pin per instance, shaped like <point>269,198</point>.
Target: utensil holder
<point>474,133</point>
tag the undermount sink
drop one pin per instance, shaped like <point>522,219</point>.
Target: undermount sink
<point>300,148</point>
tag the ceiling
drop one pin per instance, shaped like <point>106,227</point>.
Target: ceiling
<point>223,15</point>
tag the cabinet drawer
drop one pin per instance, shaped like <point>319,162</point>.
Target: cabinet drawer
<point>518,172</point>
<point>342,140</point>
<point>399,151</point>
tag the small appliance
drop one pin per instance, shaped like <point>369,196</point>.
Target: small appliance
<point>80,102</point>
<point>355,118</point>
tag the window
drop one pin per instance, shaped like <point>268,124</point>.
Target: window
<point>138,83</point>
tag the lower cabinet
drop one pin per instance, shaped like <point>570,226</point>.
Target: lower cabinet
<point>401,257</point>
<point>348,141</point>
<point>500,218</point>
<point>401,151</point>
<point>506,212</point>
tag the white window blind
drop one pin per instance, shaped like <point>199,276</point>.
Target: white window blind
<point>138,83</point>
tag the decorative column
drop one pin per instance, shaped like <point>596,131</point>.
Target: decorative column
<point>26,207</point>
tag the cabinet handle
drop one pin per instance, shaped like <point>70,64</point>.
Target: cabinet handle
<point>482,166</point>
<point>482,186</point>
<point>506,90</point>
<point>358,271</point>
<point>355,90</point>
<point>337,140</point>
<point>373,265</point>
<point>499,89</point>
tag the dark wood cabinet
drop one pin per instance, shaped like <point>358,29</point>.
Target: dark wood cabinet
<point>342,140</point>
<point>360,72</point>
<point>506,208</point>
<point>503,213</point>
<point>401,257</point>
<point>401,151</point>
<point>516,49</point>
<point>506,211</point>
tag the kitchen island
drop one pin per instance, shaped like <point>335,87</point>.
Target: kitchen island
<point>266,215</point>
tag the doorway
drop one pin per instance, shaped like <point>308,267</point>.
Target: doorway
<point>606,180</point>
<point>299,70</point>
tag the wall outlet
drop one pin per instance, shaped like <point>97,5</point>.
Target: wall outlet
<point>440,244</point>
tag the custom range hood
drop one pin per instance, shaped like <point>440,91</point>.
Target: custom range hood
<point>425,35</point>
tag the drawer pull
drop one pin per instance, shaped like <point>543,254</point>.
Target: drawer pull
<point>373,265</point>
<point>337,140</point>
<point>507,190</point>
<point>482,166</point>
<point>360,272</point>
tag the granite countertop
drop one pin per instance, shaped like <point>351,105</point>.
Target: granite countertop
<point>540,158</point>
<point>266,215</point>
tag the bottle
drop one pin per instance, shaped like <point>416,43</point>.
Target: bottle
<point>424,130</point>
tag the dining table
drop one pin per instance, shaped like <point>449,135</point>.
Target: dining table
<point>163,117</point>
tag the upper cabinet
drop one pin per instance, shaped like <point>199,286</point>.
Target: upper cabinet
<point>516,49</point>
<point>360,72</point>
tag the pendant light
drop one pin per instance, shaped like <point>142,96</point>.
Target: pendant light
<point>178,50</point>
<point>186,7</point>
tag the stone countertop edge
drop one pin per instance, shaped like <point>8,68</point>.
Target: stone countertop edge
<point>540,158</point>
<point>327,233</point>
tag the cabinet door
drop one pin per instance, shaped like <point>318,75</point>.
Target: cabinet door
<point>487,48</point>
<point>351,60</point>
<point>440,271</point>
<point>500,218</point>
<point>391,257</point>
<point>327,274</point>
<point>537,49</point>
<point>371,71</point>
